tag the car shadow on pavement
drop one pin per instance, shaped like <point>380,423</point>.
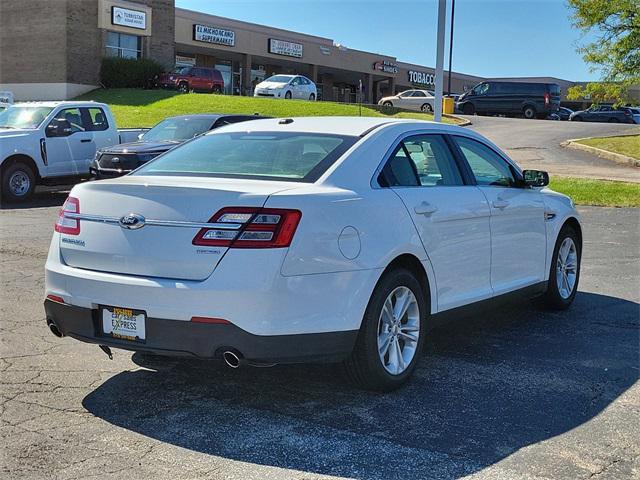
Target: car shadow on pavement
<point>41,199</point>
<point>485,388</point>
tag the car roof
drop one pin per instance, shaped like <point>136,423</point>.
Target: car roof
<point>71,103</point>
<point>350,126</point>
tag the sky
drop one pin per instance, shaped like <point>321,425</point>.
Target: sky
<point>492,38</point>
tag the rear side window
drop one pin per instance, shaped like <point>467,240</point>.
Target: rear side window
<point>489,168</point>
<point>96,120</point>
<point>301,157</point>
<point>421,161</point>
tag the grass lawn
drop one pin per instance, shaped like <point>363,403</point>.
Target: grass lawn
<point>629,145</point>
<point>602,193</point>
<point>145,108</point>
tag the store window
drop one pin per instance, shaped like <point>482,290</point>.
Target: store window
<point>123,45</point>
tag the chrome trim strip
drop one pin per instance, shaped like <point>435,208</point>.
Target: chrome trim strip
<point>155,223</point>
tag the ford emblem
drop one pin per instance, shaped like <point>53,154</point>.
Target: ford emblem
<point>133,221</point>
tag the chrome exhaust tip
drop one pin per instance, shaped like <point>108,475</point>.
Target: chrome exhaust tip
<point>232,358</point>
<point>54,328</point>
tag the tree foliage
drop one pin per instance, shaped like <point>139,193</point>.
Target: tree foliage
<point>615,52</point>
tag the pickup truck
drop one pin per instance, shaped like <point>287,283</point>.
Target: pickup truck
<point>52,143</point>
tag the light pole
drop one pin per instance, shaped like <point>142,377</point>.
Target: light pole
<point>437,107</point>
<point>453,10</point>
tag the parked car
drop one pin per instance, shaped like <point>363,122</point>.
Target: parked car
<point>604,113</point>
<point>6,99</point>
<point>421,100</point>
<point>198,79</point>
<point>287,86</point>
<point>564,113</point>
<point>308,239</point>
<point>635,112</point>
<point>532,100</point>
<point>51,143</point>
<point>120,159</point>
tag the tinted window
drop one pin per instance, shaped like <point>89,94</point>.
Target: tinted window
<point>423,160</point>
<point>481,89</point>
<point>487,166</point>
<point>123,45</point>
<point>418,93</point>
<point>261,155</point>
<point>96,119</point>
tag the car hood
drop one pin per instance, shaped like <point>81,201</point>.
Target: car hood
<point>16,132</point>
<point>140,147</point>
<point>272,85</point>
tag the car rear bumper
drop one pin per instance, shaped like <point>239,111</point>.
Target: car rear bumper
<point>180,338</point>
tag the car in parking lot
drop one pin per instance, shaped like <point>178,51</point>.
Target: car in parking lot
<point>307,239</point>
<point>497,97</point>
<point>198,79</point>
<point>288,87</point>
<point>604,113</point>
<point>563,113</point>
<point>421,100</point>
<point>120,159</point>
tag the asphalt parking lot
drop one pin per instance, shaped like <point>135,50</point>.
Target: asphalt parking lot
<point>518,393</point>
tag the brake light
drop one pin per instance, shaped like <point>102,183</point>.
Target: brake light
<point>547,98</point>
<point>250,228</point>
<point>69,226</point>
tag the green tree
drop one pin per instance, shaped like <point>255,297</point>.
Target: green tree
<point>616,49</point>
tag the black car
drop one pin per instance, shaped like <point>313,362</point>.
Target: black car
<point>604,113</point>
<point>533,100</point>
<point>121,159</point>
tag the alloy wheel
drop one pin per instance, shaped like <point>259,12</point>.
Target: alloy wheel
<point>566,268</point>
<point>398,330</point>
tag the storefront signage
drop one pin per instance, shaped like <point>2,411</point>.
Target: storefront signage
<point>386,66</point>
<point>128,18</point>
<point>183,61</point>
<point>282,47</point>
<point>209,34</point>
<point>421,78</point>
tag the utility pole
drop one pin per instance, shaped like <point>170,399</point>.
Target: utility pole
<point>442,12</point>
<point>453,10</point>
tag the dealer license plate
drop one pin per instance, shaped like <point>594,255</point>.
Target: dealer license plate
<point>124,323</point>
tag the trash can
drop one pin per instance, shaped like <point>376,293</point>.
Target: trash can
<point>448,105</point>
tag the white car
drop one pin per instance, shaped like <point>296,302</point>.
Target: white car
<point>421,100</point>
<point>287,86</point>
<point>306,239</point>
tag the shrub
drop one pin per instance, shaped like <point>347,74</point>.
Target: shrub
<point>128,72</point>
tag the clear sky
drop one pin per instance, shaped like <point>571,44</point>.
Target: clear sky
<point>493,38</point>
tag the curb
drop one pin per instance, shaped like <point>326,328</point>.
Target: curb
<point>614,157</point>
<point>464,122</point>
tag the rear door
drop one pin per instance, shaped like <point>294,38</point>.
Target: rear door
<point>452,219</point>
<point>518,230</point>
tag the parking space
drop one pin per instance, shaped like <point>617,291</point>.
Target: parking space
<point>516,393</point>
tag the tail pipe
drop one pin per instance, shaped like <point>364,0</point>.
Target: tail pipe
<point>54,328</point>
<point>233,358</point>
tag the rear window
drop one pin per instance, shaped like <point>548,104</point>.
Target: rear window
<point>301,157</point>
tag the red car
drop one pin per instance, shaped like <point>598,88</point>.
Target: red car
<point>186,79</point>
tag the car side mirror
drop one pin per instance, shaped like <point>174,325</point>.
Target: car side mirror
<point>59,127</point>
<point>535,178</point>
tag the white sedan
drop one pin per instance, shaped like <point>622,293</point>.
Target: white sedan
<point>305,239</point>
<point>421,100</point>
<point>287,86</point>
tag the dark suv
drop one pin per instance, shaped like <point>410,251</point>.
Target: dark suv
<point>604,113</point>
<point>186,79</point>
<point>533,100</point>
<point>121,159</point>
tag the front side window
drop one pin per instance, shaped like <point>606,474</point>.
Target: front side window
<point>419,93</point>
<point>73,116</point>
<point>487,166</point>
<point>406,94</point>
<point>301,157</point>
<point>422,160</point>
<point>23,117</point>
<point>177,129</point>
<point>481,89</point>
<point>123,45</point>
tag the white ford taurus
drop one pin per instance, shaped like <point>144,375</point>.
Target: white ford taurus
<point>305,239</point>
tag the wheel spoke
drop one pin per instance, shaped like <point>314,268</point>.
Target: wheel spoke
<point>402,305</point>
<point>383,344</point>
<point>387,312</point>
<point>401,365</point>
<point>408,336</point>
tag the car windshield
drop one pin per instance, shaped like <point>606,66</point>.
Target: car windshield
<point>279,79</point>
<point>181,70</point>
<point>178,129</point>
<point>23,117</point>
<point>302,157</point>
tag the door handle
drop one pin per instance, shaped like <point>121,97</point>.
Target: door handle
<point>85,140</point>
<point>499,203</point>
<point>425,208</point>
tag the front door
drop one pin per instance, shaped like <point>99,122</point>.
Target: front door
<point>71,148</point>
<point>452,219</point>
<point>518,230</point>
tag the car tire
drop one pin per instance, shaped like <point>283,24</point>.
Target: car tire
<point>468,109</point>
<point>312,97</point>
<point>529,112</point>
<point>216,89</point>
<point>366,367</point>
<point>387,104</point>
<point>426,108</point>
<point>183,87</point>
<point>18,182</point>
<point>564,273</point>
<point>287,95</point>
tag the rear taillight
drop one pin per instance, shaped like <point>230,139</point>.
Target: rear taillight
<point>547,98</point>
<point>245,227</point>
<point>69,226</point>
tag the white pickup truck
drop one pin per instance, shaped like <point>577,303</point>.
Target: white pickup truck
<point>52,143</point>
